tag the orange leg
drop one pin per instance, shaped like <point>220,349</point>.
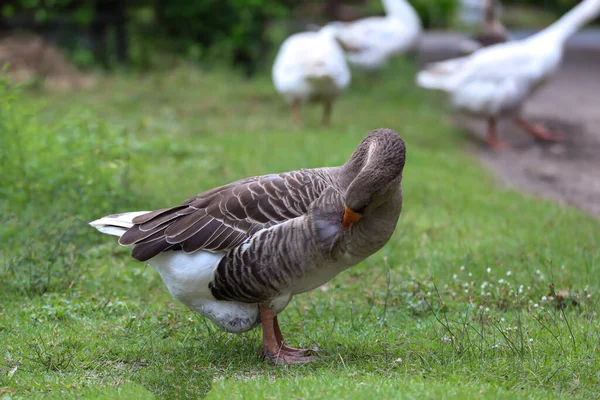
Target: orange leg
<point>295,108</point>
<point>492,137</point>
<point>537,131</point>
<point>272,348</point>
<point>327,104</point>
<point>281,341</point>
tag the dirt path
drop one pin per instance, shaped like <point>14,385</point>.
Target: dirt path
<point>568,172</point>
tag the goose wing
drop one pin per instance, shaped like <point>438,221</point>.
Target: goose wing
<point>494,65</point>
<point>223,218</point>
<point>274,260</point>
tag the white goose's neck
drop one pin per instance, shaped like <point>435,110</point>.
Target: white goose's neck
<point>570,23</point>
<point>401,9</point>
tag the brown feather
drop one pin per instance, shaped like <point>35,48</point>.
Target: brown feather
<point>159,219</point>
<point>140,219</point>
<point>224,217</point>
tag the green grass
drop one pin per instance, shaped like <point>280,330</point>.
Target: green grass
<point>482,292</point>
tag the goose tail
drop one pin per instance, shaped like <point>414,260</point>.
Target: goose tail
<point>439,75</point>
<point>116,224</point>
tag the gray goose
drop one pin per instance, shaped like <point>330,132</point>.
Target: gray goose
<point>238,253</point>
<point>493,31</point>
<point>490,33</point>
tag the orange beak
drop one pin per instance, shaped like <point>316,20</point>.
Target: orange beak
<point>349,217</point>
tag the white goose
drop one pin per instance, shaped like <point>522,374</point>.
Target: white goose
<point>495,81</point>
<point>373,41</point>
<point>310,66</point>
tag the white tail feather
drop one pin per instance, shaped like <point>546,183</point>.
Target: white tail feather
<point>440,75</point>
<point>429,80</point>
<point>116,224</point>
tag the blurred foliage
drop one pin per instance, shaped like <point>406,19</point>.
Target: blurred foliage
<point>41,12</point>
<point>231,31</point>
<point>236,27</point>
<point>558,6</point>
<point>436,14</point>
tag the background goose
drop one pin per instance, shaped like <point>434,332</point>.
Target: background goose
<point>492,31</point>
<point>373,41</point>
<point>495,81</point>
<point>237,254</point>
<point>310,66</point>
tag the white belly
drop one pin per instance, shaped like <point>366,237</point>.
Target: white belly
<point>187,277</point>
<point>490,99</point>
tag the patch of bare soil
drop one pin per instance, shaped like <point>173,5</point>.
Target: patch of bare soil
<point>568,171</point>
<point>28,57</point>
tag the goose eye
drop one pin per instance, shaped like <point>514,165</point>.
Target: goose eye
<point>360,210</point>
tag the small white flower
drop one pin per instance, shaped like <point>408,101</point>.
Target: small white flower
<point>530,340</point>
<point>521,289</point>
<point>470,274</point>
<point>537,271</point>
<point>483,285</point>
<point>501,281</point>
<point>544,298</point>
<point>487,309</point>
<point>536,305</point>
<point>489,270</point>
<point>462,267</point>
<point>455,277</point>
<point>508,273</point>
<point>502,320</point>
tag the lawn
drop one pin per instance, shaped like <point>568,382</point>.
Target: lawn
<point>482,292</point>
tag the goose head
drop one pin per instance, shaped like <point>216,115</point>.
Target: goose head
<point>335,29</point>
<point>374,172</point>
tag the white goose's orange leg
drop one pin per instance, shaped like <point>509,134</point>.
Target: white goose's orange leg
<point>271,347</point>
<point>327,105</point>
<point>295,109</point>
<point>492,137</point>
<point>537,131</point>
<point>284,347</point>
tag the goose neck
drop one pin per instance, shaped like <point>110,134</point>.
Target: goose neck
<point>489,12</point>
<point>570,23</point>
<point>374,172</point>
